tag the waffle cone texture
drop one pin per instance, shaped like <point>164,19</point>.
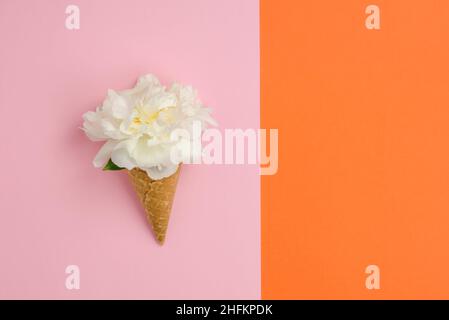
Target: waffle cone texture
<point>156,197</point>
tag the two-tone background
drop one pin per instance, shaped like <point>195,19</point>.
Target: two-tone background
<point>363,150</point>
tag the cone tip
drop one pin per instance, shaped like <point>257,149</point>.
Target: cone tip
<point>160,239</point>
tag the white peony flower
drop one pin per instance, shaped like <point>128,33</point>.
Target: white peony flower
<point>136,125</point>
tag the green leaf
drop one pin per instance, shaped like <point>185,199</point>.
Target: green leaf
<point>112,166</point>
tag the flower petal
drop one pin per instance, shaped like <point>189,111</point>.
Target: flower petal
<point>121,155</point>
<point>104,154</point>
<point>160,172</point>
<point>118,104</point>
<point>151,155</point>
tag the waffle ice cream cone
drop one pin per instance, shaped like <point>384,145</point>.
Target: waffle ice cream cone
<point>156,197</point>
<point>135,126</point>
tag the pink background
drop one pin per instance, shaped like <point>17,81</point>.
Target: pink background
<point>57,210</point>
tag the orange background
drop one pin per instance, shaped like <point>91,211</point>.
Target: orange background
<point>363,118</point>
